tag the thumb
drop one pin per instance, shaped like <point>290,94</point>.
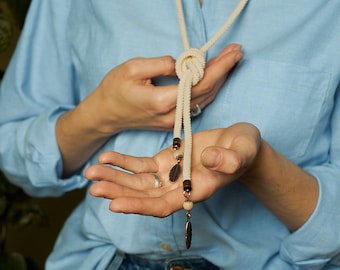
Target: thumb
<point>221,160</point>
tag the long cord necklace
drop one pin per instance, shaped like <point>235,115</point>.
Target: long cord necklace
<point>190,67</point>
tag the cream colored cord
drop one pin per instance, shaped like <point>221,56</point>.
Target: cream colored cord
<point>190,70</point>
<point>190,67</point>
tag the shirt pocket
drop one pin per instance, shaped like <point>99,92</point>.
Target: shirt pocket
<point>283,100</point>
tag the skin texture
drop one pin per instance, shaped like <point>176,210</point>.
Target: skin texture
<point>127,99</point>
<point>220,156</point>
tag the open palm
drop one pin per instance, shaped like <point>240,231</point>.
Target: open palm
<point>134,191</point>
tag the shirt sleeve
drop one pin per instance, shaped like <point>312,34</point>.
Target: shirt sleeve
<point>316,245</point>
<point>39,86</point>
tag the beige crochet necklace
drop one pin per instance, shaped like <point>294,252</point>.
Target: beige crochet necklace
<point>190,70</point>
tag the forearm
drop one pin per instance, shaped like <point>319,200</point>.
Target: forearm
<point>284,188</point>
<point>79,135</point>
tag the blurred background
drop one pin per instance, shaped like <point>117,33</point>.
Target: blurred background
<point>28,226</point>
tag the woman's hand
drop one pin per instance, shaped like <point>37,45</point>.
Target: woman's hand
<point>127,99</point>
<point>219,157</point>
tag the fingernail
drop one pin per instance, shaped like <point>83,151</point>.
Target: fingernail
<point>237,56</point>
<point>237,47</point>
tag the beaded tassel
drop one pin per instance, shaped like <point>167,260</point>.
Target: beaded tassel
<point>190,70</point>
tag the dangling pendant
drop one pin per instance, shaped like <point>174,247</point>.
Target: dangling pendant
<point>188,232</point>
<point>178,155</point>
<point>187,206</point>
<point>175,172</point>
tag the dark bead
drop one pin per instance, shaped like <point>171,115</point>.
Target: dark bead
<point>175,172</point>
<point>176,143</point>
<point>187,185</point>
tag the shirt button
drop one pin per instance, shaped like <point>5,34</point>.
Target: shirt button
<point>166,247</point>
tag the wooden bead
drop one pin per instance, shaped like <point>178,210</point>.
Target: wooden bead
<point>188,205</point>
<point>178,155</point>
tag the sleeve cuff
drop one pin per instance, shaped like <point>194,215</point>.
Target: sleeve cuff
<point>43,159</point>
<point>318,240</point>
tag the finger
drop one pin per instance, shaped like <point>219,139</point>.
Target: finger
<point>146,68</point>
<point>220,66</point>
<point>112,190</point>
<point>129,163</point>
<point>226,50</point>
<point>230,48</point>
<point>215,74</point>
<point>161,206</point>
<point>108,174</point>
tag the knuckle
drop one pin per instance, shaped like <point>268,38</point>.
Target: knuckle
<point>168,123</point>
<point>161,104</point>
<point>169,63</point>
<point>205,86</point>
<point>165,123</point>
<point>165,213</point>
<point>131,67</point>
<point>235,163</point>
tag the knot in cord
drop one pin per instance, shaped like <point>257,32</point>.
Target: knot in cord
<point>190,70</point>
<point>191,63</point>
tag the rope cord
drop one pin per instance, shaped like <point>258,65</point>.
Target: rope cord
<point>190,67</point>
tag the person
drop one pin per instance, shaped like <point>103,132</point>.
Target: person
<point>96,81</point>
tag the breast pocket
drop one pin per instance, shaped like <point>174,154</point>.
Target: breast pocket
<point>283,100</point>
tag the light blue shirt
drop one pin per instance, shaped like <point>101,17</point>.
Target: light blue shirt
<point>287,85</point>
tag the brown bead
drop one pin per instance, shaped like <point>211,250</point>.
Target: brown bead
<point>187,186</point>
<point>176,143</point>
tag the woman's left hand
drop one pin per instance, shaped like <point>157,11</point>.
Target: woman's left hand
<point>219,157</point>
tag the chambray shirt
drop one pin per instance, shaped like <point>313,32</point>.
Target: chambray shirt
<point>287,85</point>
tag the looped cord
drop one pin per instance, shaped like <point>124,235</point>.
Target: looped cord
<point>190,67</point>
<point>190,71</point>
<point>191,61</point>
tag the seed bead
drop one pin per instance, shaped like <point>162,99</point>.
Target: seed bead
<point>178,155</point>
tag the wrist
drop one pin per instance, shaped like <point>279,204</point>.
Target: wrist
<point>94,117</point>
<point>258,169</point>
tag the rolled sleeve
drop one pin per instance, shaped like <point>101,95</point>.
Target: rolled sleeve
<point>42,156</point>
<point>316,243</point>
<point>34,162</point>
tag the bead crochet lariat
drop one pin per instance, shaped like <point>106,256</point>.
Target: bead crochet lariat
<point>190,67</point>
